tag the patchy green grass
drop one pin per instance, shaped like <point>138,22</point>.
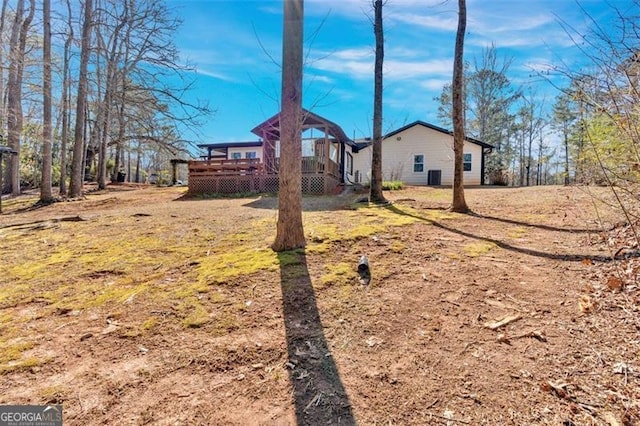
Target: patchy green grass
<point>149,324</point>
<point>118,263</point>
<point>478,248</point>
<point>20,365</point>
<point>517,233</point>
<point>53,394</point>
<point>197,317</point>
<point>392,185</point>
<point>397,246</point>
<point>337,274</point>
<point>13,351</point>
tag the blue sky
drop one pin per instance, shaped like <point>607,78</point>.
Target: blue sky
<point>235,47</point>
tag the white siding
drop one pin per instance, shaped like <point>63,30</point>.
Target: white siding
<point>362,165</point>
<point>399,150</point>
<point>244,150</point>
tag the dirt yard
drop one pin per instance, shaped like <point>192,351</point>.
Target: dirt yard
<point>143,306</point>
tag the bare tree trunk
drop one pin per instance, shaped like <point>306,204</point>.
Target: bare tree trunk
<point>375,195</point>
<point>289,231</point>
<point>114,55</point>
<point>46,194</point>
<point>3,106</point>
<point>539,162</point>
<point>528,166</point>
<point>566,157</point>
<point>102,153</point>
<point>105,123</point>
<point>66,95</point>
<point>522,159</point>
<point>116,162</point>
<point>77,166</point>
<point>14,101</point>
<point>459,203</point>
<point>138,161</point>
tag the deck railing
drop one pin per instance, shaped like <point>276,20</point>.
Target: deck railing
<point>254,166</point>
<point>243,166</point>
<point>252,175</point>
<point>316,165</point>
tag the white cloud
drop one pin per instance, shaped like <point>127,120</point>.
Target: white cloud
<point>537,65</point>
<point>355,69</point>
<point>434,83</point>
<point>396,69</point>
<point>213,74</point>
<point>437,22</point>
<point>312,78</point>
<point>402,52</point>
<point>505,41</point>
<point>508,22</point>
<point>358,9</point>
<point>353,54</point>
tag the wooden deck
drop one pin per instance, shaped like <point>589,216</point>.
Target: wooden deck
<point>251,175</point>
<point>248,166</point>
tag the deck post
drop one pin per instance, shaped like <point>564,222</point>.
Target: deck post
<point>327,151</point>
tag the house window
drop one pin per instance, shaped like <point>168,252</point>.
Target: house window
<point>418,163</point>
<point>236,155</point>
<point>349,163</point>
<point>250,154</point>
<point>466,163</point>
<point>333,153</point>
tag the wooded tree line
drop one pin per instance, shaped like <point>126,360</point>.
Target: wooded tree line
<point>88,94</point>
<point>587,134</point>
<point>598,112</point>
<point>510,118</point>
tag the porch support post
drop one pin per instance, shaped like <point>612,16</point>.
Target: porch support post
<point>174,172</point>
<point>327,150</point>
<point>342,162</point>
<point>269,152</point>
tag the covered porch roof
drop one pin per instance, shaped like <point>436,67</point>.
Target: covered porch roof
<point>270,129</point>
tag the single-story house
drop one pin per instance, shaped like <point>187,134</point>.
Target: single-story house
<point>232,150</point>
<point>327,159</point>
<point>422,154</point>
<point>417,154</point>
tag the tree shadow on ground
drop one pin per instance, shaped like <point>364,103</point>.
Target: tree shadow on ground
<point>502,244</point>
<point>538,225</point>
<point>318,393</point>
<point>210,197</point>
<point>310,203</point>
<point>516,222</point>
<point>36,205</point>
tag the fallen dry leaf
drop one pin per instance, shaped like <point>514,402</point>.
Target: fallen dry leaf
<point>557,388</point>
<point>615,284</point>
<point>587,304</point>
<point>373,341</point>
<point>611,419</point>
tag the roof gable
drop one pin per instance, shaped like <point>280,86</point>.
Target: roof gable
<point>270,129</point>
<point>246,144</point>
<point>437,129</point>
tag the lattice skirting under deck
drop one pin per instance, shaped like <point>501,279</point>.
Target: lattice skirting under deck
<point>311,184</point>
